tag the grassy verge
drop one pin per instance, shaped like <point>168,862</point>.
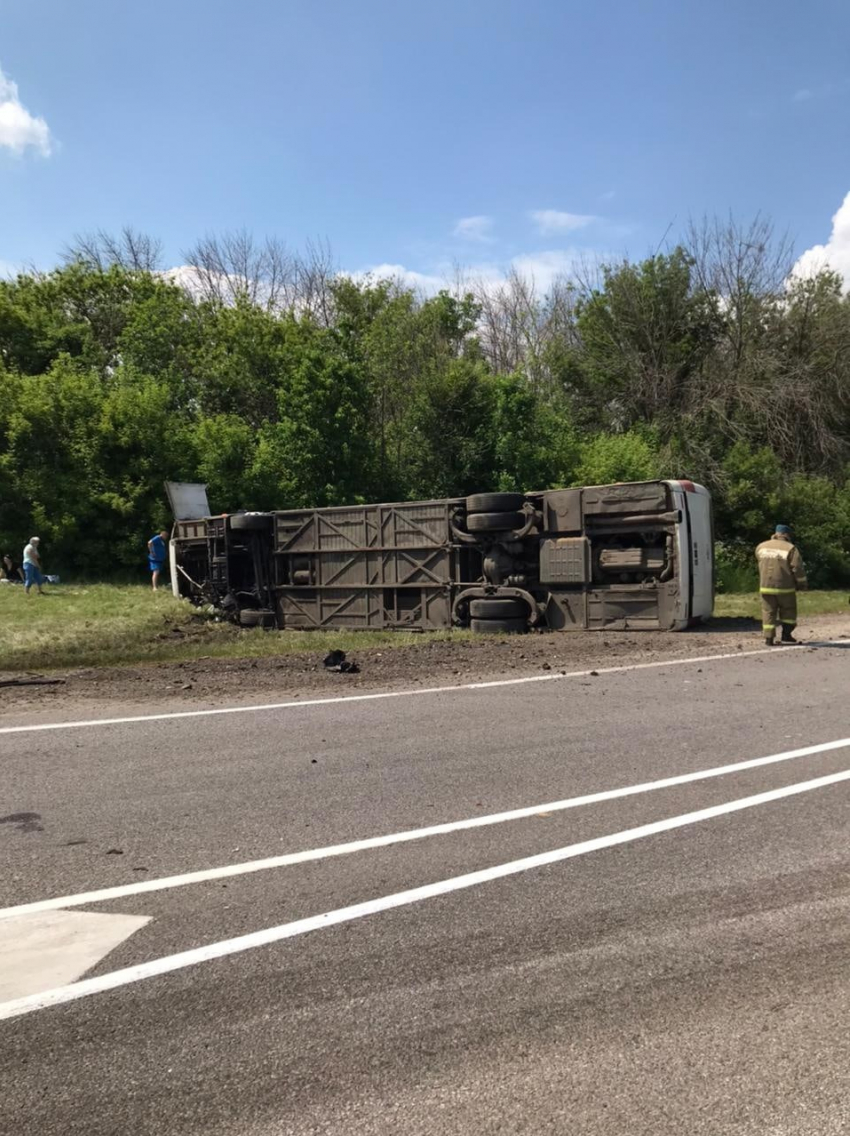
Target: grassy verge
<point>105,624</point>
<point>748,605</point>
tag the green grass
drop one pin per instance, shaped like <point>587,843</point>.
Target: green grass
<point>748,605</point>
<point>106,624</point>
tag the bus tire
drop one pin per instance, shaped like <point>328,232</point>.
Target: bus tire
<point>252,618</point>
<point>498,626</point>
<point>498,607</point>
<point>494,502</point>
<point>494,522</point>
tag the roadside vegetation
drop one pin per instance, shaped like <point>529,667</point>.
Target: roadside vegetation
<point>105,625</point>
<point>748,605</point>
<point>281,383</point>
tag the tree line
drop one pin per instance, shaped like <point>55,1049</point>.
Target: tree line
<point>282,383</point>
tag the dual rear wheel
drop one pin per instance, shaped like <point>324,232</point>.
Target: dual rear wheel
<point>496,513</point>
<point>498,615</point>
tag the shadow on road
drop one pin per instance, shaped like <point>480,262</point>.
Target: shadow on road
<point>730,623</point>
<point>744,625</point>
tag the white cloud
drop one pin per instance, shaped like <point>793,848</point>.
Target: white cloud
<point>476,228</point>
<point>18,128</point>
<point>609,195</point>
<point>538,268</point>
<point>185,277</point>
<point>420,281</point>
<point>835,254</point>
<point>824,91</point>
<point>543,268</point>
<point>227,287</point>
<point>551,221</point>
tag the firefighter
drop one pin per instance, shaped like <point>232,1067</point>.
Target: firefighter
<point>781,575</point>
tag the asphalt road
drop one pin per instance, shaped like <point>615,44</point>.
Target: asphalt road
<point>691,979</point>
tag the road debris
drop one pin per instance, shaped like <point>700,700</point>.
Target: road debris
<point>336,661</point>
<point>32,682</point>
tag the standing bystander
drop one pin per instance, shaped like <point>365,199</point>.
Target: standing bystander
<point>157,555</point>
<point>32,566</point>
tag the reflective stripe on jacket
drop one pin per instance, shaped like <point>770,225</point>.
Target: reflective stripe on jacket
<point>781,568</point>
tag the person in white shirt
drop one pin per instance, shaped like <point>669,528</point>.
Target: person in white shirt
<point>32,567</point>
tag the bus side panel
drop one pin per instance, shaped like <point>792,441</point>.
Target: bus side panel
<point>682,613</point>
<point>702,554</point>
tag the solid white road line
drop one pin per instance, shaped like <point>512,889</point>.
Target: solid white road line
<point>300,703</point>
<point>289,858</point>
<point>131,974</point>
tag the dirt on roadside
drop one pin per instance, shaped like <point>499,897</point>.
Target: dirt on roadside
<point>431,662</point>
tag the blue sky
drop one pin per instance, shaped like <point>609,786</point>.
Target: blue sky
<point>421,134</point>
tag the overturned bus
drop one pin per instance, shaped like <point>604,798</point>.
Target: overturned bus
<point>636,556</point>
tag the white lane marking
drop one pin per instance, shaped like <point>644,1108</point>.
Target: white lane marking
<point>39,951</point>
<point>131,974</point>
<point>300,703</point>
<point>289,858</point>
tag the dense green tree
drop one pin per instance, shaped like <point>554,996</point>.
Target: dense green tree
<point>316,449</point>
<point>536,446</point>
<point>708,363</point>
<point>242,361</point>
<point>166,335</point>
<point>76,311</point>
<point>223,448</point>
<point>607,458</point>
<point>645,337</point>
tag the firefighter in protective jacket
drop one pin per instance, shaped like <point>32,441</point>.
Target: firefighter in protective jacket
<point>781,574</point>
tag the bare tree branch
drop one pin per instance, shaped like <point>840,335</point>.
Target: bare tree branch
<point>129,249</point>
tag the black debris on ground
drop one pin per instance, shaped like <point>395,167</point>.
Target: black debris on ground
<point>336,661</point>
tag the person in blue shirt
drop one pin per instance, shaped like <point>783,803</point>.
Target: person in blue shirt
<point>157,555</point>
